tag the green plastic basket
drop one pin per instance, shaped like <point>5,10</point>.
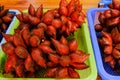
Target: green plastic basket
<point>84,43</point>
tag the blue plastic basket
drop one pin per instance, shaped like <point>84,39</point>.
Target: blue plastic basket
<point>10,25</point>
<point>105,71</point>
<point>105,3</point>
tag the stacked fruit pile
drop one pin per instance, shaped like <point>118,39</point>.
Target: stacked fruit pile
<point>40,41</point>
<point>110,28</point>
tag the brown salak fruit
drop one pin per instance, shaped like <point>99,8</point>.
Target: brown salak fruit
<point>51,64</point>
<point>112,22</point>
<point>19,17</point>
<point>20,70</point>
<point>98,28</point>
<point>108,58</point>
<point>21,52</point>
<point>107,42</point>
<point>25,18</point>
<point>10,63</point>
<point>101,18</point>
<point>38,32</point>
<point>51,31</point>
<point>29,64</point>
<point>46,42</point>
<point>42,25</point>
<point>3,26</point>
<point>65,61</point>
<point>115,13</point>
<point>34,20</point>
<point>79,58</point>
<point>107,14</point>
<point>61,48</point>
<point>115,35</point>
<point>71,7</point>
<point>48,17</point>
<point>63,73</point>
<point>73,73</point>
<point>39,12</point>
<point>26,35</point>
<point>6,19</point>
<point>46,49</point>
<point>73,45</point>
<point>116,4</point>
<point>4,12</point>
<point>116,51</point>
<point>34,41</point>
<point>54,58</point>
<point>63,40</point>
<point>52,72</point>
<point>57,23</point>
<point>38,57</point>
<point>79,66</point>
<point>63,8</point>
<point>31,10</point>
<point>17,40</point>
<point>8,48</point>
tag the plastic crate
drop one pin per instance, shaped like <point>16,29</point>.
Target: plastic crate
<point>10,25</point>
<point>104,3</point>
<point>84,43</point>
<point>105,71</point>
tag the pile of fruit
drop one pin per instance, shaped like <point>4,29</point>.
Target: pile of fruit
<point>40,41</point>
<point>5,18</point>
<point>109,26</point>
